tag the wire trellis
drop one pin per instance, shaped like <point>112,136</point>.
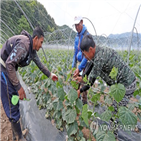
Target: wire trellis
<point>64,38</point>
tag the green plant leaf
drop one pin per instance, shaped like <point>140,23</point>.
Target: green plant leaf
<point>72,95</point>
<point>26,99</point>
<point>74,84</point>
<point>79,104</point>
<point>131,106</point>
<point>96,114</point>
<point>139,116</point>
<point>58,84</point>
<point>66,97</point>
<point>105,116</point>
<point>67,103</point>
<point>126,117</point>
<point>59,123</point>
<point>140,106</point>
<point>137,92</point>
<point>82,123</point>
<point>111,108</point>
<point>85,114</point>
<point>108,100</point>
<point>89,114</point>
<point>80,134</point>
<point>77,110</point>
<point>95,98</point>
<point>72,128</point>
<point>82,139</point>
<point>114,73</point>
<point>70,139</point>
<point>102,88</point>
<point>139,103</point>
<point>117,91</point>
<point>68,76</point>
<point>59,68</point>
<point>61,93</point>
<point>105,136</point>
<point>69,115</point>
<point>140,100</point>
<point>59,105</point>
<point>90,91</point>
<point>58,114</point>
<point>85,79</point>
<point>52,104</point>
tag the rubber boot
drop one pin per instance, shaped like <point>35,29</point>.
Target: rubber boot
<point>14,136</point>
<point>16,127</point>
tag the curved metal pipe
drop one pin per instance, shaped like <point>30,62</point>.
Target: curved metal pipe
<point>132,34</point>
<point>92,25</point>
<point>7,26</point>
<point>5,33</point>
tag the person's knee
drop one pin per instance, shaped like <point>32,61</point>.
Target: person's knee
<point>14,118</point>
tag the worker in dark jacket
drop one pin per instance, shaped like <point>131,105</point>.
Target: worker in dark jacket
<point>18,51</point>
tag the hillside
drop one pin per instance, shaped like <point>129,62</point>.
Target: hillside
<point>13,17</point>
<point>124,39</point>
<point>120,40</point>
<point>19,15</point>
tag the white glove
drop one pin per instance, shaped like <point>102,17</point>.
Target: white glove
<point>53,77</point>
<point>52,74</point>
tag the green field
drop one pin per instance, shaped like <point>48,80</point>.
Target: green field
<point>60,98</point>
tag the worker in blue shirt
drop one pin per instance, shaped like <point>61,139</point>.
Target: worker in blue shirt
<point>79,60</point>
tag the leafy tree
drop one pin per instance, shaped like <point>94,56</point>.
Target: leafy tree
<point>23,24</point>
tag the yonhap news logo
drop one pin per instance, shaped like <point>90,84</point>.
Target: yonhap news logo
<point>94,127</point>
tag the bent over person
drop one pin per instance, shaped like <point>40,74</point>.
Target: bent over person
<point>102,60</point>
<point>18,51</point>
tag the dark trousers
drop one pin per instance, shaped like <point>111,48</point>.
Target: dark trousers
<point>7,90</point>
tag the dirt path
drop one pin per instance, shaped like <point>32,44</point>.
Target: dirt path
<point>5,126</point>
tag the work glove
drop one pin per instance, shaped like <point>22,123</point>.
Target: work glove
<point>54,77</point>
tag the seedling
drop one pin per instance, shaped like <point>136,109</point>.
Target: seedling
<point>15,99</point>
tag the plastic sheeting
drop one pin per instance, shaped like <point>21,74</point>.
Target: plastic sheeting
<point>130,136</point>
<point>39,128</point>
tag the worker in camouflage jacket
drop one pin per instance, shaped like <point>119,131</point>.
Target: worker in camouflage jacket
<point>101,62</point>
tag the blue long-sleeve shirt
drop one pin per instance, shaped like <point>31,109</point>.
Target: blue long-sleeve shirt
<point>78,56</point>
